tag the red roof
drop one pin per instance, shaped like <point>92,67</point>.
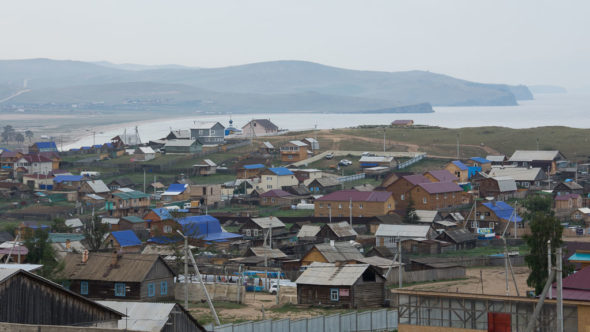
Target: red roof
<point>440,187</point>
<point>442,175</point>
<point>566,197</point>
<point>275,193</point>
<point>416,179</point>
<point>357,196</point>
<point>39,176</point>
<point>576,286</point>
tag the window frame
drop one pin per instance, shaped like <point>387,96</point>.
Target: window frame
<point>83,287</point>
<point>118,291</point>
<point>163,287</point>
<point>151,289</point>
<point>334,294</point>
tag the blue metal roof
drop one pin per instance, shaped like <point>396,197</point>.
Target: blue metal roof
<point>165,239</point>
<point>162,213</point>
<point>126,238</point>
<point>176,188</point>
<point>480,160</point>
<point>280,171</point>
<point>206,228</point>
<point>67,178</point>
<point>253,166</point>
<point>46,145</point>
<point>74,149</point>
<point>459,164</point>
<point>97,146</point>
<point>85,148</point>
<point>503,211</point>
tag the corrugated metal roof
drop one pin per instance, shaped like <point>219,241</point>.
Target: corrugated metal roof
<point>133,194</point>
<point>339,252</point>
<point>110,221</point>
<point>74,222</point>
<point>413,231</point>
<point>379,262</point>
<point>530,155</point>
<point>26,267</point>
<point>342,229</point>
<point>141,316</point>
<point>440,187</point>
<point>357,196</point>
<point>280,171</point>
<point>505,184</point>
<point>416,179</point>
<point>460,165</point>
<point>179,142</point>
<point>146,149</point>
<point>275,193</point>
<point>267,252</point>
<point>298,143</point>
<point>460,235</point>
<point>584,210</point>
<point>268,145</point>
<point>98,186</point>
<point>497,159</point>
<point>126,238</point>
<point>331,275</point>
<point>442,175</point>
<point>308,231</point>
<point>445,223</point>
<point>95,197</point>
<point>426,215</point>
<point>205,124</point>
<point>327,181</point>
<point>266,222</point>
<point>175,189</point>
<point>133,219</point>
<point>519,173</point>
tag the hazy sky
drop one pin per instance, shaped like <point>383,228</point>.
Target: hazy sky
<point>512,41</point>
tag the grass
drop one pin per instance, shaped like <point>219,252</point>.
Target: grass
<point>480,251</point>
<point>218,305</point>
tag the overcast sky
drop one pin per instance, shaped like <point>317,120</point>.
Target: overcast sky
<point>512,41</point>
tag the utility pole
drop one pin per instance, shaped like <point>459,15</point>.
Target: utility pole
<point>549,265</point>
<point>239,283</point>
<point>399,267</point>
<point>186,273</point>
<point>383,139</point>
<point>144,180</point>
<point>350,211</point>
<point>330,214</point>
<point>559,291</point>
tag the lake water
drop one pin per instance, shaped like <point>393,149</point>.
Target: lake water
<point>570,110</point>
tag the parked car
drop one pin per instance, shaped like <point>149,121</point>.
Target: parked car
<point>330,155</point>
<point>274,287</point>
<point>345,162</point>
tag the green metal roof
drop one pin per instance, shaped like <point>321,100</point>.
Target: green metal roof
<point>63,237</point>
<point>131,195</point>
<point>133,219</point>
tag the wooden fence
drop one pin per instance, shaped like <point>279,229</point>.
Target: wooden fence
<point>426,275</point>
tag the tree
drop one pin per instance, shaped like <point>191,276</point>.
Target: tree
<point>8,133</point>
<point>94,232</point>
<point>59,226</point>
<point>544,226</point>
<point>41,252</point>
<point>29,135</point>
<point>411,217</point>
<point>19,137</point>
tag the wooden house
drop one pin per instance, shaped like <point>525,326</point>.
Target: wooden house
<point>249,171</point>
<point>133,223</point>
<point>277,178</point>
<point>208,133</point>
<point>400,189</point>
<point>338,231</point>
<point>347,286</point>
<point>144,153</point>
<point>333,252</point>
<point>119,276</point>
<point>581,214</point>
<point>569,187</point>
<point>567,203</point>
<point>259,227</point>
<point>37,301</point>
<point>499,187</point>
<point>461,238</point>
<point>495,215</point>
<point>127,202</point>
<point>324,185</point>
<point>176,192</point>
<point>390,235</point>
<point>459,169</point>
<point>293,151</point>
<point>441,175</point>
<point>182,146</point>
<point>312,143</point>
<point>67,182</point>
<point>480,162</point>
<point>121,183</point>
<point>356,203</point>
<point>96,187</point>
<point>207,167</point>
<point>524,177</point>
<point>259,127</point>
<point>308,233</point>
<point>278,197</point>
<point>436,195</point>
<point>123,241</point>
<point>546,160</point>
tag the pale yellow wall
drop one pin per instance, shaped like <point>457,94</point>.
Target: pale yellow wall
<point>583,318</point>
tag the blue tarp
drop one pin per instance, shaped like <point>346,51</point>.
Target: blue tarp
<point>176,188</point>
<point>165,239</point>
<point>472,170</point>
<point>503,211</point>
<point>206,228</point>
<point>280,171</point>
<point>67,178</point>
<point>480,160</point>
<point>459,164</point>
<point>162,213</point>
<point>253,166</point>
<point>46,145</point>
<point>126,238</point>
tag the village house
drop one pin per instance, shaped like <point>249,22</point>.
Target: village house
<point>306,175</point>
<point>568,187</point>
<point>494,215</point>
<point>119,276</point>
<point>39,147</point>
<point>123,203</point>
<point>354,203</point>
<point>67,182</point>
<point>293,151</point>
<point>179,134</point>
<point>259,127</point>
<point>208,133</point>
<point>546,160</point>
<point>402,123</point>
<point>485,164</point>
<point>278,197</point>
<point>400,188</point>
<point>121,183</point>
<point>96,187</point>
<point>524,177</point>
<point>459,169</point>
<point>565,204</point>
<point>338,231</point>
<point>203,228</point>
<point>37,301</point>
<point>428,216</point>
<point>437,195</point>
<point>38,181</point>
<point>347,286</point>
<point>582,214</point>
<point>258,228</point>
<point>324,185</point>
<point>207,167</point>
<point>334,252</point>
<point>461,238</point>
<point>376,161</point>
<point>206,194</point>
<point>125,140</point>
<point>33,164</point>
<point>124,241</point>
<point>176,192</point>
<point>133,223</point>
<point>249,171</point>
<point>441,175</point>
<point>312,143</point>
<point>277,178</point>
<point>182,146</point>
<point>308,233</point>
<point>390,235</point>
<point>144,153</point>
<point>499,187</point>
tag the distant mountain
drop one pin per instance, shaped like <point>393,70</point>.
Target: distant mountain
<point>136,67</point>
<point>547,89</point>
<point>276,86</point>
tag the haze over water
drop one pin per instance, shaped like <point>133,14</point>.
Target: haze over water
<point>571,110</point>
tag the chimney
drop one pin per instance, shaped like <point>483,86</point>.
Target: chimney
<point>85,256</point>
<point>114,258</point>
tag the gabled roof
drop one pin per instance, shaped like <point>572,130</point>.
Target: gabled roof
<point>342,229</point>
<point>180,134</point>
<point>326,181</point>
<point>519,173</point>
<point>206,228</point>
<point>146,149</point>
<point>481,160</point>
<point>126,238</point>
<point>180,142</point>
<point>253,166</point>
<point>496,159</point>
<point>331,275</point>
<point>123,182</point>
<point>267,252</point>
<point>268,222</point>
<point>413,231</point>
<point>528,155</point>
<point>503,211</point>
<point>584,210</point>
<point>298,143</point>
<point>416,179</point>
<point>45,145</point>
<point>162,213</point>
<point>357,196</point>
<point>206,124</point>
<point>98,186</point>
<point>133,219</point>
<point>133,194</point>
<point>128,268</point>
<point>265,123</point>
<point>268,145</point>
<point>426,215</point>
<point>460,235</point>
<point>505,184</point>
<point>280,171</point>
<point>175,189</point>
<point>572,185</point>
<point>275,193</point>
<point>440,187</point>
<point>460,165</point>
<point>339,252</point>
<point>308,231</point>
<point>442,175</point>
<point>36,158</point>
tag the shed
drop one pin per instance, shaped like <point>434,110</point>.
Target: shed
<point>257,227</point>
<point>350,286</point>
<point>460,237</point>
<point>333,252</point>
<point>324,185</point>
<point>339,231</point>
<point>207,167</point>
<point>182,146</point>
<point>144,153</point>
<point>308,233</point>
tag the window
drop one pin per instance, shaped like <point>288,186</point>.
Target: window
<point>322,205</point>
<point>151,289</point>
<point>255,232</point>
<point>340,205</point>
<point>402,197</point>
<point>119,289</point>
<point>269,186</point>
<point>334,294</point>
<point>290,157</point>
<point>248,232</point>
<point>167,229</point>
<point>269,178</point>
<point>66,284</point>
<point>164,288</point>
<point>360,205</point>
<point>389,206</point>
<point>84,287</point>
<point>424,200</point>
<point>212,132</point>
<point>437,197</point>
<point>272,200</point>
